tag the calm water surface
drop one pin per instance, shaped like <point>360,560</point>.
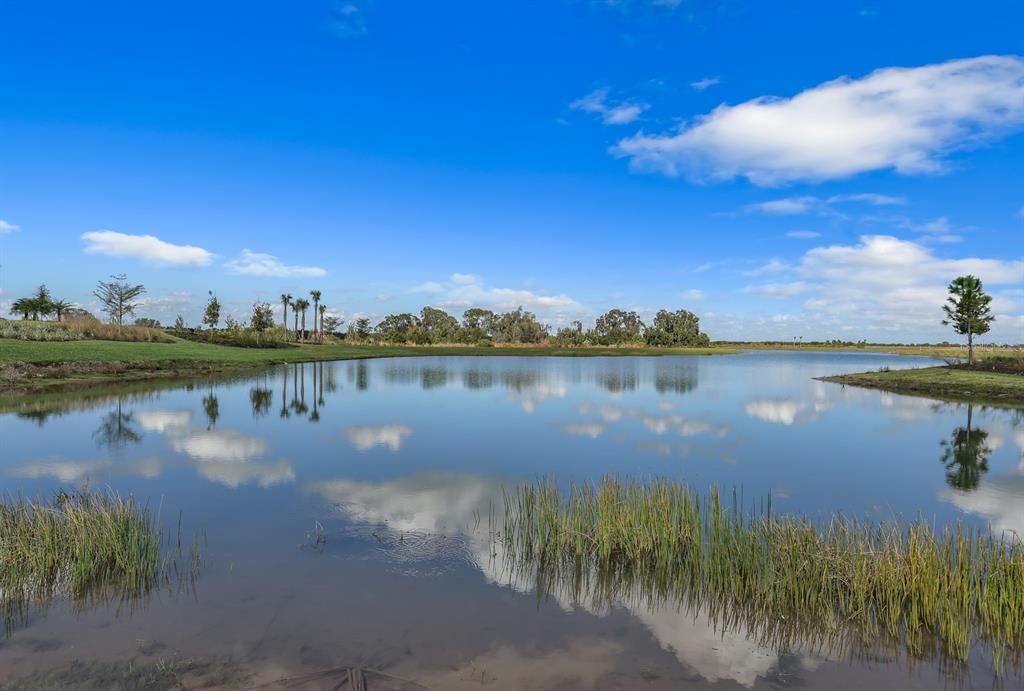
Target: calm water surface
<point>402,462</point>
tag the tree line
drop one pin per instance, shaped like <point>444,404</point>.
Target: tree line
<point>483,326</point>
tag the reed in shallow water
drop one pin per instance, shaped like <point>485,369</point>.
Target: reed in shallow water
<point>82,546</point>
<point>784,578</point>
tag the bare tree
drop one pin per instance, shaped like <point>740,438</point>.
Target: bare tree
<point>118,298</point>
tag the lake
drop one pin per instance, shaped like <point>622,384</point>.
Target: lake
<point>344,508</point>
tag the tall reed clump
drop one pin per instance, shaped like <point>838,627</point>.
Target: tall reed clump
<point>82,546</point>
<point>783,578</point>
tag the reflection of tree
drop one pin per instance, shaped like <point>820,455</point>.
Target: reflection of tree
<point>617,382</point>
<point>433,377</point>
<point>298,404</point>
<point>40,417</point>
<point>211,406</point>
<point>478,379</point>
<point>965,455</point>
<point>675,378</point>
<point>261,400</point>
<point>284,394</point>
<point>116,429</point>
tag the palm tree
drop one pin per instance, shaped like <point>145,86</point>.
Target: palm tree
<point>22,306</point>
<point>315,294</point>
<point>323,309</point>
<point>301,305</point>
<point>60,307</point>
<point>286,299</point>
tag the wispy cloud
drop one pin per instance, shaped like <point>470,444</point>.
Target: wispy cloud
<point>904,119</point>
<point>705,83</point>
<point>803,234</point>
<point>145,248</point>
<point>621,113</point>
<point>7,227</point>
<point>348,20</point>
<point>257,264</point>
<point>469,290</point>
<point>794,206</point>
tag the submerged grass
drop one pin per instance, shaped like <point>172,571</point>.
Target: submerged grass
<point>84,546</point>
<point>783,579</point>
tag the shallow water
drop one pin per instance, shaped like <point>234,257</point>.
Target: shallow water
<point>399,465</point>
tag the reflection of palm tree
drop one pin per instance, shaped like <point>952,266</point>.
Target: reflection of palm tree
<point>284,391</point>
<point>116,429</point>
<point>211,406</point>
<point>965,455</point>
<point>261,400</point>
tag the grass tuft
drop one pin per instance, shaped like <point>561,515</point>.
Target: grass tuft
<point>83,546</point>
<point>871,586</point>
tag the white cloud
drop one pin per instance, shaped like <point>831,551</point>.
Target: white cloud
<point>366,437</point>
<point>822,205</point>
<point>803,234</point>
<point>347,20</point>
<point>463,279</point>
<point>704,83</point>
<point>905,119</point>
<point>596,102</point>
<point>6,227</point>
<point>257,264</point>
<point>163,420</point>
<point>694,294</point>
<point>885,284</point>
<point>778,290</point>
<point>232,474</point>
<point>146,248</point>
<point>772,267</point>
<point>998,499</point>
<point>218,446</point>
<point>462,291</point>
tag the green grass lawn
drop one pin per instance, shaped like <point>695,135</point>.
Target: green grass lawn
<point>943,382</point>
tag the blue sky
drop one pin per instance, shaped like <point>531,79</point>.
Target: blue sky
<point>782,169</point>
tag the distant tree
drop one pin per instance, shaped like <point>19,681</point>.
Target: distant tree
<point>618,326</point>
<point>967,310</point>
<point>42,302</point>
<point>211,315</point>
<point>323,310</point>
<point>439,326</point>
<point>286,300</point>
<point>118,298</point>
<point>147,322</point>
<point>262,319</point>
<point>477,324</point>
<point>571,336</point>
<point>679,328</point>
<point>179,325</point>
<point>60,308</point>
<point>330,323</point>
<point>300,306</point>
<point>359,330</point>
<point>396,328</point>
<point>519,326</point>
<point>315,294</point>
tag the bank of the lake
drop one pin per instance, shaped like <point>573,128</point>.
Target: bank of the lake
<point>34,366</point>
<point>949,383</point>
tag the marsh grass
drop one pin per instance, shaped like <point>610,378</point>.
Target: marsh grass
<point>850,585</point>
<point>85,547</point>
<point>79,330</point>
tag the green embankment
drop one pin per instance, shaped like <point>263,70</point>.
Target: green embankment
<point>942,382</point>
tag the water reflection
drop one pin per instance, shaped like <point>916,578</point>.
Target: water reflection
<point>367,437</point>
<point>965,455</point>
<point>116,430</point>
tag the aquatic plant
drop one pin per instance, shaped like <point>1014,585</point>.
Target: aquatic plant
<point>855,585</point>
<point>83,546</point>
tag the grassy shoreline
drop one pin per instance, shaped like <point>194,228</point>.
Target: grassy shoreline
<point>38,366</point>
<point>941,382</point>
